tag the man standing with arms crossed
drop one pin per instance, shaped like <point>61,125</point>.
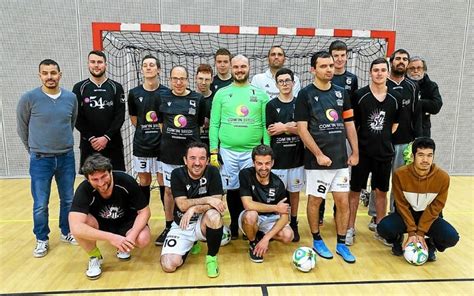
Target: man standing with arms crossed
<point>101,113</point>
<point>266,81</point>
<point>237,126</point>
<point>285,142</point>
<point>325,118</point>
<point>45,121</point>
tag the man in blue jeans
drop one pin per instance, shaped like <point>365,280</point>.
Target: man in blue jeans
<point>45,121</point>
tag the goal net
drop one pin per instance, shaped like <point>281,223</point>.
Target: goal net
<point>191,45</point>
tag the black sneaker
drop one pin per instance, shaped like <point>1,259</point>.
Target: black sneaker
<point>254,258</point>
<point>296,237</point>
<point>161,238</point>
<point>431,250</point>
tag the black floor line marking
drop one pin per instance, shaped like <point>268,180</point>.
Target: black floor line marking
<point>263,287</point>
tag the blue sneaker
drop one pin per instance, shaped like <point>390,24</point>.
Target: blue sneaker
<point>320,247</point>
<point>343,251</point>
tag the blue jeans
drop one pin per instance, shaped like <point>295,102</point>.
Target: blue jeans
<point>42,170</point>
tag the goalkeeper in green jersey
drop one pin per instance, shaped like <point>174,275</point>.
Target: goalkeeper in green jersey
<point>237,125</point>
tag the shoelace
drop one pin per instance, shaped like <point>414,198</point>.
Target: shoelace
<point>94,263</point>
<point>41,245</point>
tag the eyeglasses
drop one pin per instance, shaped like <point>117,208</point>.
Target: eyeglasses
<point>283,82</point>
<point>180,79</point>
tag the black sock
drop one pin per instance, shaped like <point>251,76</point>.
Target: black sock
<point>213,237</point>
<point>162,195</point>
<point>146,192</point>
<point>317,236</point>
<point>294,221</point>
<point>341,239</point>
<point>168,224</point>
<point>234,203</point>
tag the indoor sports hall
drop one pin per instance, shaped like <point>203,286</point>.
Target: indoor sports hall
<point>188,33</point>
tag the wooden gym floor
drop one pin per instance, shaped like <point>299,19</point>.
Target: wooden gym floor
<point>376,270</point>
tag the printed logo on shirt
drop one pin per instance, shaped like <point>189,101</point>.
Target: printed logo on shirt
<point>122,98</point>
<point>168,103</point>
<point>100,103</point>
<point>180,121</point>
<point>151,117</point>
<point>111,212</point>
<point>349,80</point>
<point>316,98</point>
<point>140,99</point>
<point>242,111</point>
<point>332,115</point>
<point>338,93</point>
<point>278,110</point>
<point>340,102</point>
<point>376,120</point>
<point>192,103</point>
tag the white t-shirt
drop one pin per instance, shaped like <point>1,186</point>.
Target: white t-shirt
<point>267,82</point>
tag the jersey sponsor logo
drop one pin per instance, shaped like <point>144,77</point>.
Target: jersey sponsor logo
<point>151,117</point>
<point>192,111</point>
<point>271,195</point>
<point>376,120</point>
<point>338,94</point>
<point>95,102</point>
<point>349,80</point>
<point>340,102</point>
<point>332,115</point>
<point>111,212</point>
<point>180,121</point>
<point>192,103</point>
<point>242,111</point>
<point>253,99</point>
<point>202,181</point>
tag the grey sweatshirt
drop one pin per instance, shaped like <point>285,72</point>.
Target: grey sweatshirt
<point>44,124</point>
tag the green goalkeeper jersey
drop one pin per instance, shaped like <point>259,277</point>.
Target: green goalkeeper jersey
<point>238,118</point>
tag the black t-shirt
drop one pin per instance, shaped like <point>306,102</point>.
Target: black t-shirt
<point>182,185</point>
<point>218,83</point>
<point>288,148</point>
<point>374,120</point>
<point>101,111</point>
<point>145,105</point>
<point>410,125</point>
<point>270,194</point>
<point>347,80</point>
<point>204,132</point>
<point>325,112</point>
<point>121,207</point>
<point>182,118</point>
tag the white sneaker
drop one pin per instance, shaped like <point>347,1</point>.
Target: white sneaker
<point>372,225</point>
<point>69,238</point>
<point>350,234</point>
<point>381,239</point>
<point>94,270</point>
<point>123,255</point>
<point>41,248</point>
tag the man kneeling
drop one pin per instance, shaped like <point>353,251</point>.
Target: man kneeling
<point>264,198</point>
<point>197,189</point>
<point>108,206</point>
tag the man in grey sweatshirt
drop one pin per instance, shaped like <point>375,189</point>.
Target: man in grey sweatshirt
<point>45,121</point>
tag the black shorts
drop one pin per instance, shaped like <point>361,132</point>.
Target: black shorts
<point>120,228</point>
<point>380,174</point>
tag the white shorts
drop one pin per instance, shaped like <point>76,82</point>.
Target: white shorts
<point>146,165</point>
<point>167,169</point>
<point>264,223</point>
<point>292,178</point>
<point>180,241</point>
<point>320,182</point>
<point>234,162</point>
